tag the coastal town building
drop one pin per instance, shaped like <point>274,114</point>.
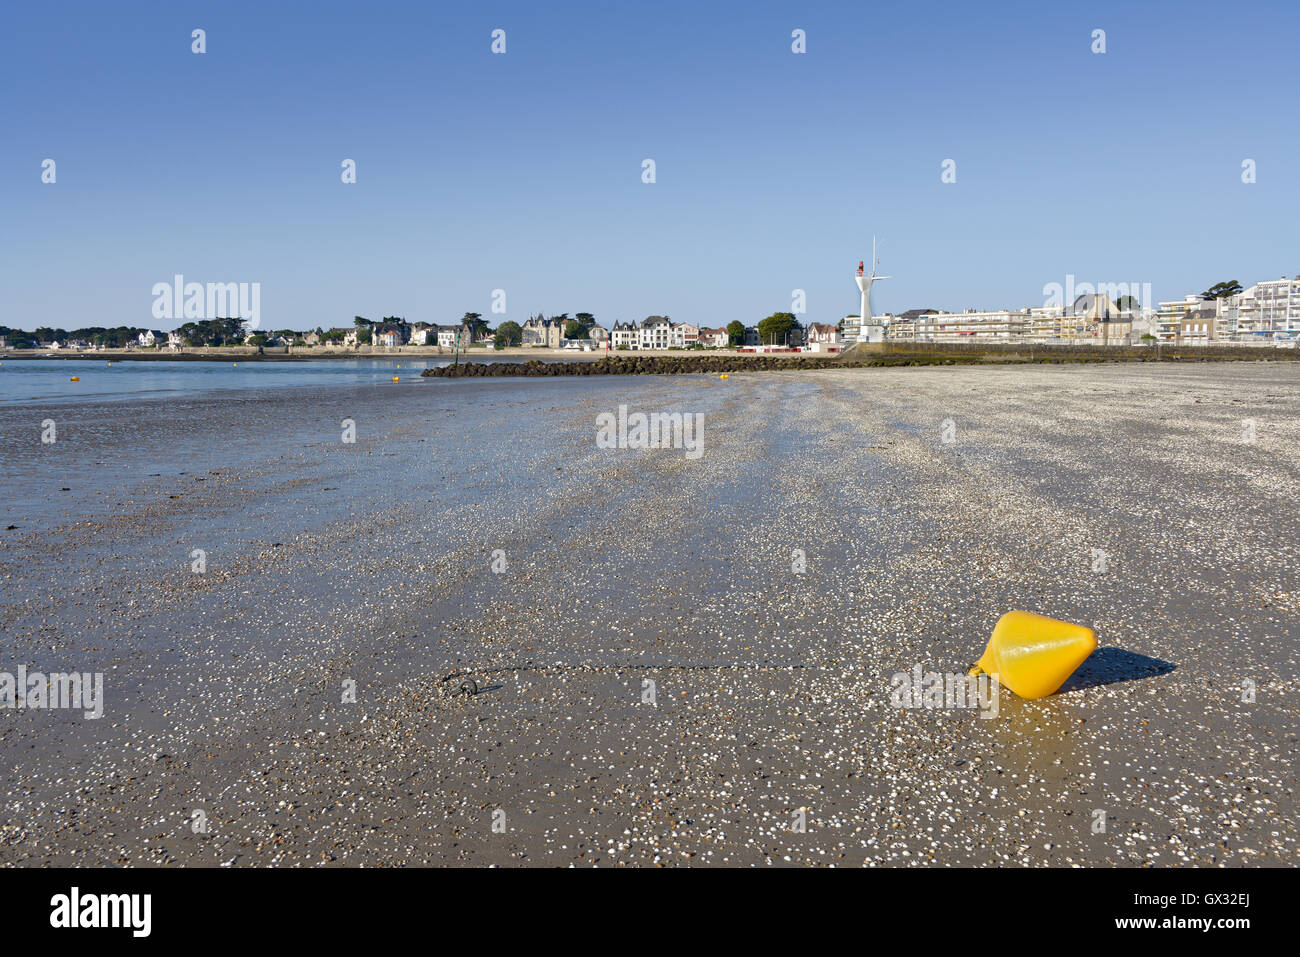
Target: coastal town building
<point>1173,316</point>
<point>1267,312</point>
<point>1277,305</point>
<point>547,333</point>
<point>971,325</point>
<point>387,335</point>
<point>714,338</point>
<point>448,336</point>
<point>656,333</point>
<point>821,333</point>
<point>623,335</point>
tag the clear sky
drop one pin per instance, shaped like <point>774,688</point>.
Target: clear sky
<point>523,171</point>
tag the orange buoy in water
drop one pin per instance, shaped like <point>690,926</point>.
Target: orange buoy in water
<point>395,378</point>
<point>76,378</point>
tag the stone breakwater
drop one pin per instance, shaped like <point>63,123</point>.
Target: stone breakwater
<point>689,364</point>
<point>676,365</point>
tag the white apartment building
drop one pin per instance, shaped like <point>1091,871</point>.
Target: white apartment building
<point>1278,302</point>
<point>655,334</point>
<point>1265,311</point>
<point>973,325</point>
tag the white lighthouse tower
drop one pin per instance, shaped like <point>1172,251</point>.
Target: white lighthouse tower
<point>867,330</point>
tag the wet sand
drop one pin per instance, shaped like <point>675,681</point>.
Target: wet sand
<point>330,562</point>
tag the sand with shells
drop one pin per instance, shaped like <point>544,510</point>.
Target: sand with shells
<point>657,681</point>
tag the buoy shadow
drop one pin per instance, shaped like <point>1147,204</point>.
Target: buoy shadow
<point>1108,666</point>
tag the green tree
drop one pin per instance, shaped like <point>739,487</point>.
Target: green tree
<point>774,329</point>
<point>735,333</point>
<point>509,334</point>
<point>1222,290</point>
<point>573,329</point>
<point>477,326</point>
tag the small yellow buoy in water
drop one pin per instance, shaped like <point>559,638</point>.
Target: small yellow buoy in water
<point>1033,654</point>
<point>723,376</point>
<point>395,378</point>
<point>76,378</point>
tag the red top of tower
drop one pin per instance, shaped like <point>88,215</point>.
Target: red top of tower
<point>859,267</point>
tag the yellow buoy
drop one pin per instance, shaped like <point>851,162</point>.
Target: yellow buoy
<point>724,376</point>
<point>76,378</point>
<point>395,378</point>
<point>1032,654</point>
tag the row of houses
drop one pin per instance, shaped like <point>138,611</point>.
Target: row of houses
<point>390,334</point>
<point>1267,313</point>
<point>655,332</point>
<point>659,332</point>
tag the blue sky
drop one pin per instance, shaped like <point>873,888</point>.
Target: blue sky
<point>522,171</point>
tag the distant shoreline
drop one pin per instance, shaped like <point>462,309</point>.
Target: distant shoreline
<point>549,362</point>
<point>238,354</point>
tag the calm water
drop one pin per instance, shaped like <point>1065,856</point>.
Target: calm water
<point>50,380</point>
<point>125,431</point>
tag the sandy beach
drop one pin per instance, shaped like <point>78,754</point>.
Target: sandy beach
<point>1129,498</point>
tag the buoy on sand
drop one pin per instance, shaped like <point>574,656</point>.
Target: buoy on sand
<point>1033,654</point>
